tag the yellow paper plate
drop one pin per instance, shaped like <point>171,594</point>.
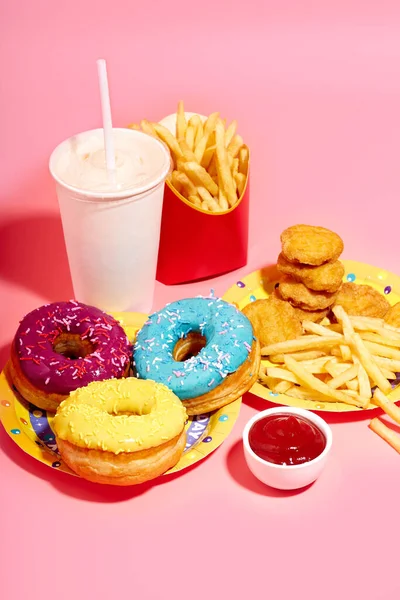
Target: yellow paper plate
<point>30,427</point>
<point>261,283</point>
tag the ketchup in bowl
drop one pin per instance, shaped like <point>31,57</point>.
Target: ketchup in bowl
<point>285,439</point>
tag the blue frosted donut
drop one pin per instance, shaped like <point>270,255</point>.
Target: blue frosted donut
<point>228,340</point>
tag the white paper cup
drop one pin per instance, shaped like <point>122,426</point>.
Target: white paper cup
<point>112,235</point>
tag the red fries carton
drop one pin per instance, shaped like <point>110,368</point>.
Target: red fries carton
<point>199,241</point>
<point>197,244</point>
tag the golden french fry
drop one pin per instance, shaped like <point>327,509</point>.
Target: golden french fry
<point>200,149</point>
<point>387,363</point>
<point>208,156</point>
<point>379,339</point>
<point>240,182</point>
<point>224,174</point>
<point>210,123</point>
<point>169,139</point>
<point>312,327</point>
<point>195,200</point>
<point>223,201</point>
<point>345,352</point>
<point>387,405</point>
<point>187,153</point>
<point>364,384</point>
<point>234,166</point>
<point>134,126</point>
<point>304,393</point>
<point>380,350</point>
<point>306,342</point>
<point>387,434</point>
<point>316,384</point>
<point>353,385</point>
<point>199,132</point>
<point>302,355</point>
<point>204,194</point>
<point>175,181</point>
<point>366,323</point>
<point>186,185</point>
<point>229,133</point>
<point>345,322</point>
<point>189,136</point>
<point>205,205</point>
<point>200,177</point>
<point>181,123</point>
<point>282,387</point>
<point>244,160</point>
<point>284,374</point>
<point>235,145</point>
<point>148,127</point>
<point>341,379</point>
<point>369,365</point>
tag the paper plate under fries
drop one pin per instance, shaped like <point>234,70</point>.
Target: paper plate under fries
<point>30,427</point>
<point>261,283</point>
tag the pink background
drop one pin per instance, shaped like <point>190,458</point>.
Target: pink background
<point>315,87</point>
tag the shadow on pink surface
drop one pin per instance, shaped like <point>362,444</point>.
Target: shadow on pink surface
<point>33,255</point>
<point>76,487</point>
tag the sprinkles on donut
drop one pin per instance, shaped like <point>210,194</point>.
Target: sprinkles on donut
<point>63,346</point>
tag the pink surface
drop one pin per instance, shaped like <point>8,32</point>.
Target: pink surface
<point>315,87</point>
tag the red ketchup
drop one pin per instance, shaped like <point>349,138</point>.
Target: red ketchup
<point>286,439</point>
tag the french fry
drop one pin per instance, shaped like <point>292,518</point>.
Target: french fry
<point>302,355</point>
<point>347,375</point>
<point>187,153</point>
<point>380,350</point>
<point>353,385</point>
<point>312,327</point>
<point>284,374</point>
<point>181,123</point>
<point>306,342</point>
<point>148,127</point>
<point>234,167</point>
<point>223,201</point>
<point>345,352</point>
<point>366,323</point>
<point>387,405</point>
<point>200,177</point>
<point>224,174</point>
<point>200,149</point>
<point>387,434</point>
<point>364,385</point>
<point>195,200</point>
<point>229,133</point>
<point>387,363</point>
<point>189,136</point>
<point>369,365</point>
<point>370,336</point>
<point>240,183</point>
<point>188,188</point>
<point>134,126</point>
<point>175,181</point>
<point>282,387</point>
<point>208,156</point>
<point>235,145</point>
<point>244,160</point>
<point>343,318</point>
<point>330,394</point>
<point>169,139</point>
<point>210,124</point>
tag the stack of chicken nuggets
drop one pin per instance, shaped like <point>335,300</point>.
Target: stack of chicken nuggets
<point>312,273</point>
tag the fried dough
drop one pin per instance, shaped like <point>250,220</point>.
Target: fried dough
<point>362,300</point>
<point>300,296</point>
<point>310,245</point>
<point>304,315</point>
<point>392,316</point>
<point>273,320</point>
<point>324,278</point>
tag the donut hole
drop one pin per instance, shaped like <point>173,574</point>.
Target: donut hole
<point>189,346</point>
<point>72,346</point>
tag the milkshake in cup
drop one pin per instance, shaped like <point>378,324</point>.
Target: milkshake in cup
<point>111,220</point>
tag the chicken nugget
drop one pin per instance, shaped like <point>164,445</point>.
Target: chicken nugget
<point>273,320</point>
<point>324,278</point>
<point>310,245</point>
<point>392,316</point>
<point>299,295</point>
<point>362,300</point>
<point>304,315</point>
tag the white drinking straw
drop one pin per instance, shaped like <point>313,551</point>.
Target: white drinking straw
<point>106,112</point>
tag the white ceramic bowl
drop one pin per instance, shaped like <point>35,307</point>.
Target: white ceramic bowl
<point>287,477</point>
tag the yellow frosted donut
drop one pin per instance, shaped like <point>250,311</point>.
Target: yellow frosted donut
<point>121,431</point>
